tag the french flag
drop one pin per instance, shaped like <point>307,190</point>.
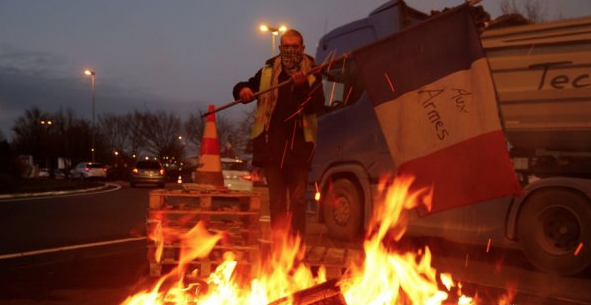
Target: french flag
<point>435,100</point>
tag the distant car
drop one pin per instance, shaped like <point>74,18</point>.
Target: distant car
<point>237,177</point>
<point>147,172</point>
<point>89,171</point>
<point>43,173</point>
<point>59,174</point>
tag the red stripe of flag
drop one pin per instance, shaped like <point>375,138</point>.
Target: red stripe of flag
<point>469,171</point>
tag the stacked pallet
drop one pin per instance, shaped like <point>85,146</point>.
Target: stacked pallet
<point>234,213</point>
<point>335,260</point>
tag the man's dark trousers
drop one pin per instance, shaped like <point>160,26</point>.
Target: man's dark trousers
<point>283,182</point>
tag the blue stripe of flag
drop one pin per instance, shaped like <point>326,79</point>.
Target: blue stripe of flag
<point>419,55</point>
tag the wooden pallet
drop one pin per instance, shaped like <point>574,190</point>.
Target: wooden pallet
<point>237,228</point>
<point>247,259</point>
<point>235,213</point>
<point>335,260</point>
<point>200,199</point>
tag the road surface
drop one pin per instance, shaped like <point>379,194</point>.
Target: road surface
<point>90,249</point>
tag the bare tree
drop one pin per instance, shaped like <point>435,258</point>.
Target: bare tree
<point>534,10</point>
<point>244,127</point>
<point>135,122</point>
<point>73,137</point>
<point>29,136</point>
<point>122,136</point>
<point>160,134</point>
<point>157,133</point>
<point>115,130</point>
<point>195,126</point>
<point>68,137</point>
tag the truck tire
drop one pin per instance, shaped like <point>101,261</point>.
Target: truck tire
<point>552,227</point>
<point>342,210</point>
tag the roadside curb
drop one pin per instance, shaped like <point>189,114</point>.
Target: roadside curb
<point>58,193</point>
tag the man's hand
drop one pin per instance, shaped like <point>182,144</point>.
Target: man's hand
<point>246,95</point>
<point>299,78</point>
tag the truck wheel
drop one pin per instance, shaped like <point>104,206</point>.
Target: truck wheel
<point>552,229</point>
<point>342,210</point>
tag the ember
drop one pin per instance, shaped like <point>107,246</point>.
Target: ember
<point>383,276</point>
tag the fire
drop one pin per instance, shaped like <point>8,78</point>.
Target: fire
<point>385,276</point>
<point>280,276</point>
<point>388,277</point>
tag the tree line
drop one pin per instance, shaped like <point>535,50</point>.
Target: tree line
<point>120,139</point>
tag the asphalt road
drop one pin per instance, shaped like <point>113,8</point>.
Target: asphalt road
<point>98,256</point>
<point>47,222</point>
<point>97,275</point>
<point>72,249</point>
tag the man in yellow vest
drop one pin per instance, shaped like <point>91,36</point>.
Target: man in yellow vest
<point>284,129</point>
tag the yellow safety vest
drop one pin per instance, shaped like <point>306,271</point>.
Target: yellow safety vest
<point>267,102</point>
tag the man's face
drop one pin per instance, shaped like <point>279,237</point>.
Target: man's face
<point>291,43</point>
<point>292,51</point>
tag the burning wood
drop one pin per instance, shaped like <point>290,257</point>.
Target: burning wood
<point>327,293</point>
<point>383,276</point>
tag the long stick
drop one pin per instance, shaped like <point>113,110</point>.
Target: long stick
<point>239,101</point>
<point>257,94</point>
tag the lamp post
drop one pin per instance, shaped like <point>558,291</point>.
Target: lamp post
<point>92,73</point>
<point>46,124</point>
<point>274,32</point>
<point>183,144</point>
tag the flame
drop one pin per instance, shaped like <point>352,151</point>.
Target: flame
<point>388,277</point>
<point>281,275</point>
<point>385,275</point>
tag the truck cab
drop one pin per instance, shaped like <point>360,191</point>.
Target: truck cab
<point>352,153</point>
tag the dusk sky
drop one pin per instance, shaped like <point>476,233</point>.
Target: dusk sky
<point>177,56</point>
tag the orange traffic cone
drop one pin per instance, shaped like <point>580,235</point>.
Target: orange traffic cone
<point>209,170</point>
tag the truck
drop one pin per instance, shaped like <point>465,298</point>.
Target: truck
<point>541,74</point>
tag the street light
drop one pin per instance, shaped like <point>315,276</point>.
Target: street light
<point>46,124</point>
<point>274,32</point>
<point>183,143</point>
<point>91,73</point>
